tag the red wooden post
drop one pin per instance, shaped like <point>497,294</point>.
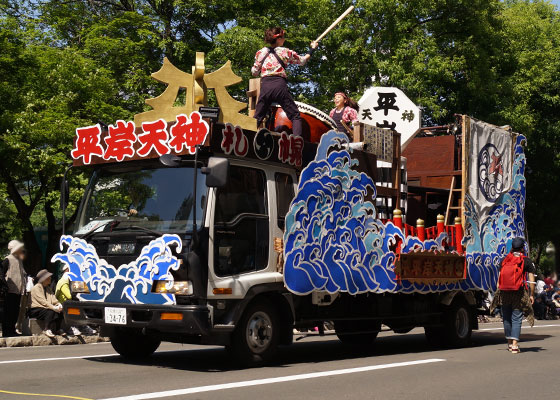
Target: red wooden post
<point>420,229</point>
<point>458,235</point>
<point>397,218</point>
<point>440,224</point>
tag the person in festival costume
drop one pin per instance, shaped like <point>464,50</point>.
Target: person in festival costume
<point>345,110</point>
<point>271,63</point>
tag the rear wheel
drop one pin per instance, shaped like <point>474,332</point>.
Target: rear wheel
<point>255,339</point>
<point>132,344</point>
<point>457,326</point>
<point>357,332</point>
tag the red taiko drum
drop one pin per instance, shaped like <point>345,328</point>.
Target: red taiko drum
<point>315,123</point>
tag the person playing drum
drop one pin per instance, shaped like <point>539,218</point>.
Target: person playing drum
<point>271,64</point>
<point>345,110</point>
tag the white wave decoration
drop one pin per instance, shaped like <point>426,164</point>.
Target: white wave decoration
<point>130,283</point>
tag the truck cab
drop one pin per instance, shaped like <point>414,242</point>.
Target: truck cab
<point>230,260</point>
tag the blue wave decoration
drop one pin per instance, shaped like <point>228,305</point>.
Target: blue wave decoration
<point>334,241</point>
<point>130,283</point>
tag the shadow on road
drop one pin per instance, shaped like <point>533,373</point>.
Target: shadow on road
<point>218,360</point>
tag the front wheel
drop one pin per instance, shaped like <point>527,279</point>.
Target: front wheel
<point>255,339</point>
<point>130,343</point>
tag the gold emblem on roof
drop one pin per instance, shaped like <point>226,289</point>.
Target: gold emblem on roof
<point>196,86</point>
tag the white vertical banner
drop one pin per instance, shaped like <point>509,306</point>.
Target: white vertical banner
<point>490,153</point>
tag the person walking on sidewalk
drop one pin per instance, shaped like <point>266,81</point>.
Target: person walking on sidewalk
<point>44,305</point>
<point>13,277</point>
<point>63,294</point>
<point>514,296</point>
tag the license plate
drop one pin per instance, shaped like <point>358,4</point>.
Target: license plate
<point>121,248</point>
<point>116,316</point>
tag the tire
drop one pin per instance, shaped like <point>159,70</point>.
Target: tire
<point>457,327</point>
<point>458,324</point>
<point>346,331</point>
<point>131,344</point>
<point>255,339</point>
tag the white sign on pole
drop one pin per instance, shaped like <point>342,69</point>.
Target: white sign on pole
<point>390,108</point>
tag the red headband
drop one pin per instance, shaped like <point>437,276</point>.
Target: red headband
<point>342,94</point>
<point>279,34</point>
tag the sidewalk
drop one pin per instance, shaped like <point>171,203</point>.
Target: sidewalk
<point>42,340</point>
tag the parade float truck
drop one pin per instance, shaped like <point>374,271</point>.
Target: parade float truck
<point>198,228</point>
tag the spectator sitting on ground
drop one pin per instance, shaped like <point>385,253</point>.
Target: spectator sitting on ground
<point>548,308</point>
<point>44,305</point>
<point>63,293</point>
<point>556,302</point>
<point>549,290</point>
<point>549,280</point>
<point>539,307</point>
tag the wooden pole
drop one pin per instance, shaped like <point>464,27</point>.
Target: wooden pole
<point>335,23</point>
<point>396,169</point>
<point>465,140</point>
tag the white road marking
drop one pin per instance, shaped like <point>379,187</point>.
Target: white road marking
<point>523,327</point>
<point>57,358</point>
<point>267,381</point>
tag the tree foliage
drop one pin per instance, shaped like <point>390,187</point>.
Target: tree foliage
<point>67,64</point>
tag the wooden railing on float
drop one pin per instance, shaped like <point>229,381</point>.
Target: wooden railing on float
<point>393,192</point>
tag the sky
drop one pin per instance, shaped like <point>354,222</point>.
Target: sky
<point>557,2</point>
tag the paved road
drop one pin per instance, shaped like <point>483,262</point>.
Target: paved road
<point>398,366</point>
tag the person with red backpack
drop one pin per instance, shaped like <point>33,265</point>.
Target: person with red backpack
<point>514,295</point>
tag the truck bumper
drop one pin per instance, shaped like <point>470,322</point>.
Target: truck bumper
<point>196,319</point>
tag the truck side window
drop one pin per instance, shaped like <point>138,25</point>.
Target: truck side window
<point>284,196</point>
<point>241,241</point>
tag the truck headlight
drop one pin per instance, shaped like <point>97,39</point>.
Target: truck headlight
<point>183,288</point>
<point>79,287</point>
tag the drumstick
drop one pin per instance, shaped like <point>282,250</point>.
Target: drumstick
<point>335,23</point>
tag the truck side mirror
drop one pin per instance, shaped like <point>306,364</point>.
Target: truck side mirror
<point>216,172</point>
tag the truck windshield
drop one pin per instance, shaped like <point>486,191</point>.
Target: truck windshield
<point>156,199</point>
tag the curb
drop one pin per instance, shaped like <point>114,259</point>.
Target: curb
<point>42,340</point>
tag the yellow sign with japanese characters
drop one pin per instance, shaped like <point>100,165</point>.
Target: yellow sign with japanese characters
<point>431,268</point>
<point>196,86</point>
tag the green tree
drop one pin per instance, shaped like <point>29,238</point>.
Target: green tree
<point>54,91</point>
<point>69,64</point>
<point>530,102</point>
